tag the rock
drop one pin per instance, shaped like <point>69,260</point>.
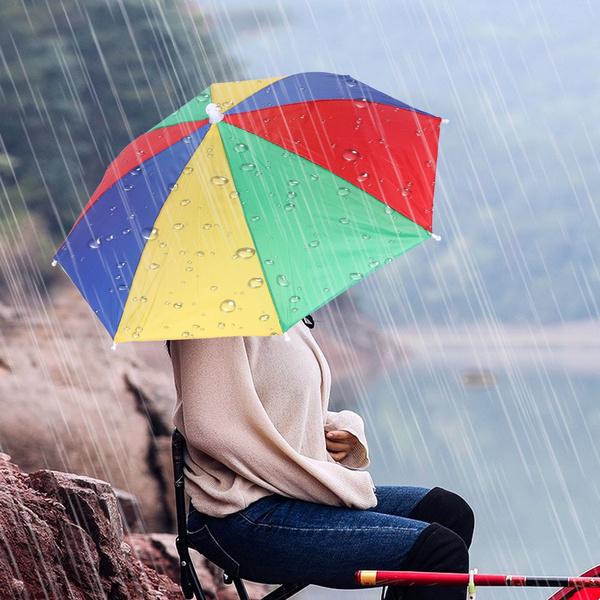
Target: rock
<point>65,540</point>
<point>68,404</point>
<point>130,511</point>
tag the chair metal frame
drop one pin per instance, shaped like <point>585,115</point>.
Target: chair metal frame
<point>190,582</point>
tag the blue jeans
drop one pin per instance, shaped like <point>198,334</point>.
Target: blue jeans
<point>283,540</point>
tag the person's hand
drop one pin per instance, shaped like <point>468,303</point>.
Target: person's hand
<point>340,443</point>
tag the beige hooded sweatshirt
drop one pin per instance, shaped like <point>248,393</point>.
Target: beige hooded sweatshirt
<point>253,411</point>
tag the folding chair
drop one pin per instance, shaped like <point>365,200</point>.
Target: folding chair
<point>190,583</point>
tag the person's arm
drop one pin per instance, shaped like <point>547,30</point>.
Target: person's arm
<point>224,418</point>
<point>346,420</point>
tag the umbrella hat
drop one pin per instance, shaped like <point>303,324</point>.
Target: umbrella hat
<point>252,205</point>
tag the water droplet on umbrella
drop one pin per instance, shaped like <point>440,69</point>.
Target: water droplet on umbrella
<point>240,147</point>
<point>326,290</point>
<point>255,282</point>
<point>419,132</point>
<point>188,170</point>
<point>373,263</point>
<point>110,237</point>
<point>289,206</point>
<point>143,299</point>
<point>362,176</point>
<point>245,252</point>
<point>219,180</point>
<point>292,195</point>
<point>199,253</point>
<point>351,155</point>
<point>285,154</point>
<point>314,177</point>
<point>94,243</point>
<point>185,202</point>
<point>227,306</point>
<point>112,209</point>
<point>387,261</point>
<point>313,243</point>
<point>221,325</point>
<point>128,187</point>
<point>269,261</point>
<point>429,163</point>
<point>356,276</point>
<point>389,210</point>
<point>126,231</point>
<point>153,266</point>
<point>365,236</point>
<point>150,233</point>
<point>162,245</point>
<point>282,280</point>
<point>255,218</point>
<point>293,182</point>
<point>207,226</point>
<point>121,264</point>
<point>248,167</point>
<point>295,299</point>
<point>123,287</point>
<point>140,152</point>
<point>173,186</point>
<point>263,317</point>
<point>213,288</point>
<point>344,220</point>
<point>187,139</point>
<point>185,334</point>
<point>177,305</point>
<point>189,268</point>
<point>343,191</point>
<point>351,82</point>
<point>361,103</point>
<point>233,195</point>
<point>178,226</point>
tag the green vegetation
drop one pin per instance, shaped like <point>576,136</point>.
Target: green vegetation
<point>78,81</point>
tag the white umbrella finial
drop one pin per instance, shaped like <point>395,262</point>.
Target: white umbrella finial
<point>213,112</point>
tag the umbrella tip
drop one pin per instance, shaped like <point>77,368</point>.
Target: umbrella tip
<point>445,120</point>
<point>114,346</point>
<point>436,237</point>
<point>54,262</point>
<point>213,112</point>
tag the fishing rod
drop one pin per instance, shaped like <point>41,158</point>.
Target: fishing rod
<point>473,579</point>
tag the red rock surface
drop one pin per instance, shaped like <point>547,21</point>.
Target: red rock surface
<point>61,538</point>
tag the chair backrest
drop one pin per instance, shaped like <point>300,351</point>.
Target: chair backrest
<point>190,583</point>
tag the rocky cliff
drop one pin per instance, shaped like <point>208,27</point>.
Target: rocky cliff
<point>62,538</point>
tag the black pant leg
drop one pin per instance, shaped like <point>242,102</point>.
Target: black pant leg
<point>448,509</point>
<point>436,549</point>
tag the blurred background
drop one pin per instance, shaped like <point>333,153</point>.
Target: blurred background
<point>475,361</point>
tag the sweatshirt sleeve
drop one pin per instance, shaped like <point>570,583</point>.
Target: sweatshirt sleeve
<point>347,420</point>
<point>224,418</point>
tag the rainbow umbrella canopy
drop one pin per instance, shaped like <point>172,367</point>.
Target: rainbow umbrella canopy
<point>251,206</point>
